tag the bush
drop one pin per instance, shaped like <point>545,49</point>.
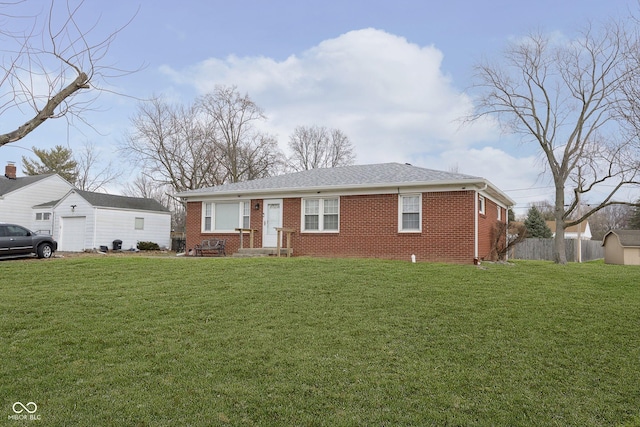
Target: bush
<point>148,246</point>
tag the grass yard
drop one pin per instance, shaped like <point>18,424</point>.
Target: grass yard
<point>139,341</point>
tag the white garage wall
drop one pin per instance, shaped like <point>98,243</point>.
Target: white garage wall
<point>112,224</point>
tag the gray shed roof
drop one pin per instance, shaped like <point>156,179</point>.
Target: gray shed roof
<point>385,175</point>
<point>121,202</point>
<point>8,185</point>
<point>627,238</point>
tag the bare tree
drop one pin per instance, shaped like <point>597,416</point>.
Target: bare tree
<point>48,59</point>
<point>565,96</point>
<point>91,173</point>
<point>609,218</point>
<point>318,147</point>
<point>504,237</point>
<point>210,142</point>
<point>244,152</point>
<point>173,145</point>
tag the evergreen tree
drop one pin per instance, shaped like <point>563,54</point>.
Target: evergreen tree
<point>57,160</point>
<point>634,221</point>
<point>536,226</point>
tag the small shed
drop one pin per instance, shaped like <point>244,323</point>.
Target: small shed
<point>622,247</point>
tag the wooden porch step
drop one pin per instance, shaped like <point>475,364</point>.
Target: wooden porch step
<point>258,252</point>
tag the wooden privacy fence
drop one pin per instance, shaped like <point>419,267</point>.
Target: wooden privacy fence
<point>542,249</point>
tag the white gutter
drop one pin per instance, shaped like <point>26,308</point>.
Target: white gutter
<point>325,188</point>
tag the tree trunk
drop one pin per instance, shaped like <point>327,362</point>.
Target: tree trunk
<point>559,253</point>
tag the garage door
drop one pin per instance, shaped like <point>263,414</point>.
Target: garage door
<point>72,230</point>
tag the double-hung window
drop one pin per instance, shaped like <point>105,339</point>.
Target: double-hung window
<point>225,216</point>
<point>481,205</point>
<point>246,214</point>
<point>410,213</point>
<point>321,215</point>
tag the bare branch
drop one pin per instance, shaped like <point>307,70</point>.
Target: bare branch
<point>46,65</point>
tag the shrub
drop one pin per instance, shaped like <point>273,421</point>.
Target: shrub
<point>148,246</point>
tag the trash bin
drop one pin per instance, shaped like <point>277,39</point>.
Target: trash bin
<point>117,245</point>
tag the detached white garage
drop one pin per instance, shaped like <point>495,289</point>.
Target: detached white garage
<point>85,220</point>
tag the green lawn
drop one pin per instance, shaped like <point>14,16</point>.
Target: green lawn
<point>315,342</point>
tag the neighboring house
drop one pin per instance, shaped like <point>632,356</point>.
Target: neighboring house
<point>19,195</point>
<point>43,203</point>
<point>572,232</point>
<point>87,220</point>
<point>622,247</point>
<point>381,211</point>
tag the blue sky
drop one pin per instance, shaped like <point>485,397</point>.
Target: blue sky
<point>393,75</point>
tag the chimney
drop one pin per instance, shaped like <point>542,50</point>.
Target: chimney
<point>10,170</point>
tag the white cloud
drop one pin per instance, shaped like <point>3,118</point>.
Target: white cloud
<point>388,95</point>
<point>382,90</point>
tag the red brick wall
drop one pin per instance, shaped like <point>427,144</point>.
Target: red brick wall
<point>195,236</point>
<point>194,216</point>
<point>486,224</point>
<point>369,228</point>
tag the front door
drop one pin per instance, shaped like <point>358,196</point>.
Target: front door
<point>271,219</point>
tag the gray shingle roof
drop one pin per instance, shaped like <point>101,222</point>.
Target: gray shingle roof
<point>9,185</point>
<point>121,202</point>
<point>49,204</point>
<point>383,175</point>
<point>628,238</point>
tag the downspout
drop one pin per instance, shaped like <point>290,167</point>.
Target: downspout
<point>53,224</point>
<point>476,216</point>
<point>506,232</point>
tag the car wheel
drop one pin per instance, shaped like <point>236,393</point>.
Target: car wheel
<point>45,250</point>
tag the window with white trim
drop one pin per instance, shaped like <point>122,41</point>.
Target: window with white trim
<point>139,224</point>
<point>410,212</point>
<point>246,215</point>
<point>225,216</point>
<point>43,216</point>
<point>481,205</point>
<point>499,213</point>
<point>321,215</point>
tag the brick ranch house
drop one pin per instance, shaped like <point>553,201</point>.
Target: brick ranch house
<point>386,210</point>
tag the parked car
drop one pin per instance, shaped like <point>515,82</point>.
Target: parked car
<point>17,241</point>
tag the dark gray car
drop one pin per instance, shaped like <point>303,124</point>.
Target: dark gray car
<point>17,241</point>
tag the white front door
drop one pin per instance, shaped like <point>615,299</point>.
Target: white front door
<point>271,218</point>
